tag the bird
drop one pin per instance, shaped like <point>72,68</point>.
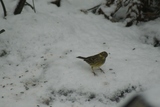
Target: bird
<point>95,61</point>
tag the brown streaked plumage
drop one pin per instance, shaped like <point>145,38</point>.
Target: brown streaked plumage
<point>95,61</point>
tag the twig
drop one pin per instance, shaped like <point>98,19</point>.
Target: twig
<point>4,9</point>
<point>34,6</point>
<point>1,31</point>
<point>19,7</point>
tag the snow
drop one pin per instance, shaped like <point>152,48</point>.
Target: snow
<point>41,68</point>
<point>152,96</point>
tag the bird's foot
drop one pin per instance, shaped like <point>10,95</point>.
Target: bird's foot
<point>94,74</point>
<point>101,70</point>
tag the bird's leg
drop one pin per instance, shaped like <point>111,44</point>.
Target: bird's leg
<point>101,70</point>
<point>93,72</point>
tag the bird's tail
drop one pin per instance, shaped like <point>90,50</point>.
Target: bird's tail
<point>80,57</point>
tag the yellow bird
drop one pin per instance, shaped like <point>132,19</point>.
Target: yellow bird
<point>95,61</point>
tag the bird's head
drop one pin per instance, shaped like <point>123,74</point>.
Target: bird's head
<point>104,54</point>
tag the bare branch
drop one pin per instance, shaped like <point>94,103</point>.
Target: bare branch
<point>4,8</point>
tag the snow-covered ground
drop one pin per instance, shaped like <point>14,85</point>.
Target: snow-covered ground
<point>38,64</point>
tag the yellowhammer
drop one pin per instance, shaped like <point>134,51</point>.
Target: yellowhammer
<point>95,61</point>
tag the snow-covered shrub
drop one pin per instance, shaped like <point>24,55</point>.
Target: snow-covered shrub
<point>128,11</point>
<point>151,38</point>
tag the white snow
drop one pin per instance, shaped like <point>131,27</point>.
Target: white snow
<point>152,96</point>
<point>41,68</point>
